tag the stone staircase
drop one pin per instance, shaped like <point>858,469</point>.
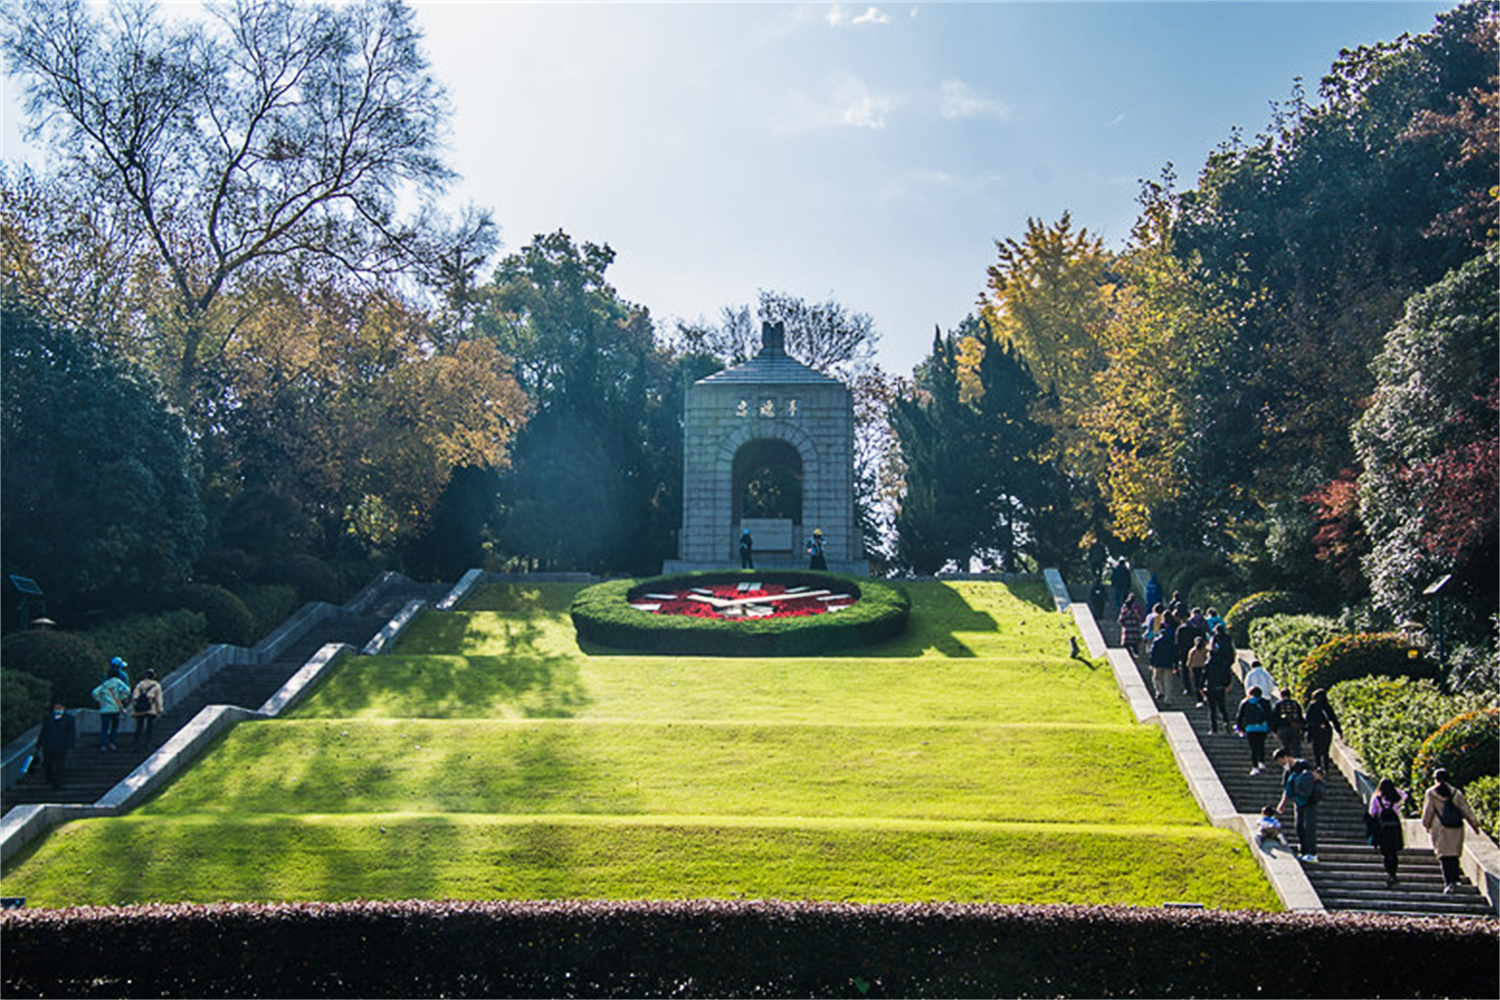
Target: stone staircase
<point>1349,874</point>
<point>90,773</point>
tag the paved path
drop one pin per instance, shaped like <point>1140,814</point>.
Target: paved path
<point>1349,874</point>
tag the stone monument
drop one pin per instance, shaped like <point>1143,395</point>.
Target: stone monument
<point>769,447</point>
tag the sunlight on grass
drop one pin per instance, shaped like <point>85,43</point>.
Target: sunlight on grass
<point>490,757</point>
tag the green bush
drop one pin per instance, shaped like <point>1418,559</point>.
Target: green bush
<point>24,699</point>
<point>1483,794</point>
<point>707,948</point>
<point>313,578</point>
<point>602,614</point>
<point>1281,642</point>
<point>1386,720</point>
<point>1350,657</point>
<point>67,660</point>
<point>1468,745</point>
<point>1263,605</point>
<point>160,642</point>
<point>270,603</point>
<point>227,618</point>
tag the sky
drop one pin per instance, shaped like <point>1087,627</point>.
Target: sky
<point>872,154</point>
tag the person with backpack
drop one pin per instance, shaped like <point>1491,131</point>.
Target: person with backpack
<point>1383,824</point>
<point>1319,723</point>
<point>1130,625</point>
<point>1444,812</point>
<point>113,699</point>
<point>1287,721</point>
<point>1217,678</point>
<point>1254,720</point>
<point>145,706</point>
<point>1302,785</point>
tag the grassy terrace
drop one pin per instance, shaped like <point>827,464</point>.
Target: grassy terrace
<point>491,757</point>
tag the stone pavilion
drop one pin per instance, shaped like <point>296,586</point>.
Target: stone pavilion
<point>769,446</point>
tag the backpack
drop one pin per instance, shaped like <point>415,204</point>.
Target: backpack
<point>1449,815</point>
<point>142,704</point>
<point>1303,787</point>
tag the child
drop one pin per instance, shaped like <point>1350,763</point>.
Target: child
<point>1269,829</point>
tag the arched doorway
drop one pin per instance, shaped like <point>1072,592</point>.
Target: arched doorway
<point>767,481</point>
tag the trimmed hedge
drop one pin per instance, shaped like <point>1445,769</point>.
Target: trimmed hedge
<point>1484,795</point>
<point>160,642</point>
<point>1387,719</point>
<point>228,620</point>
<point>67,660</point>
<point>1468,745</point>
<point>1281,642</point>
<point>1263,605</point>
<point>602,614</point>
<point>269,604</point>
<point>313,578</point>
<point>713,949</point>
<point>1350,657</point>
<point>24,699</point>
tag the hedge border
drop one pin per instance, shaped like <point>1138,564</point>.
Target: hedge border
<point>734,948</point>
<point>602,614</point>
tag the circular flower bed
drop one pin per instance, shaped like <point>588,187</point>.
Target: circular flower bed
<point>748,613</point>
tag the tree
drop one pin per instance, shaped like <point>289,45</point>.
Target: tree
<point>971,454</point>
<point>1428,442</point>
<point>1048,297</point>
<point>100,499</point>
<point>273,133</point>
<point>1151,400</point>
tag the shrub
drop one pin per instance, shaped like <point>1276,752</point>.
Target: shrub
<point>160,642</point>
<point>1387,719</point>
<point>725,948</point>
<point>1281,642</point>
<point>227,618</point>
<point>1483,794</point>
<point>602,614</point>
<point>67,660</point>
<point>1349,657</point>
<point>1263,605</point>
<point>313,578</point>
<point>1468,745</point>
<point>270,603</point>
<point>24,699</point>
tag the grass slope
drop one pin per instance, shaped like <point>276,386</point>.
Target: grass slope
<point>490,757</point>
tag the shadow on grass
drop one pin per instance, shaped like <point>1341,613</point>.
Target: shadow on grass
<point>938,615</point>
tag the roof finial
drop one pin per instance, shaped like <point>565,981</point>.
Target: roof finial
<point>773,338</point>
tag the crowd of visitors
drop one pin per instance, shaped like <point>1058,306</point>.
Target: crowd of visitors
<point>1191,656</point>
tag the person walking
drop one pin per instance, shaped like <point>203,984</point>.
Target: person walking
<point>1119,582</point>
<point>145,706</point>
<point>1320,723</point>
<point>1197,663</point>
<point>1130,625</point>
<point>113,698</point>
<point>1287,720</point>
<point>1188,632</point>
<point>1164,663</point>
<point>747,550</point>
<point>59,733</point>
<point>1384,826</point>
<point>1217,677</point>
<point>1301,785</point>
<point>1254,720</point>
<point>1444,812</point>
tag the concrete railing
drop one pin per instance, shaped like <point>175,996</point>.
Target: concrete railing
<point>1280,867</point>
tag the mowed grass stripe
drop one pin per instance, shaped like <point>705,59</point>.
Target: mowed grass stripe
<point>396,857</point>
<point>1124,774</point>
<point>981,689</point>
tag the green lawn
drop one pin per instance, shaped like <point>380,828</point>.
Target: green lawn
<point>490,757</point>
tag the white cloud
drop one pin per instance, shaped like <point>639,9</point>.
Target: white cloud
<point>923,182</point>
<point>960,101</point>
<point>849,104</point>
<point>839,15</point>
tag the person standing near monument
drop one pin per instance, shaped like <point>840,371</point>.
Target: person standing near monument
<point>816,559</point>
<point>747,550</point>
